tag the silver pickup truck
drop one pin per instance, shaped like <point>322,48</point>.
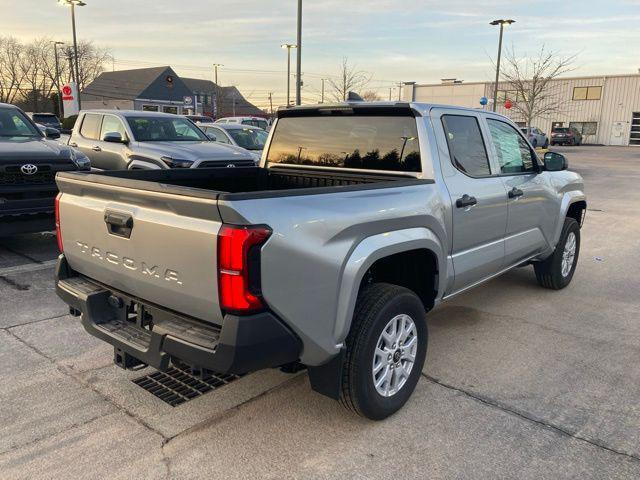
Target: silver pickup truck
<point>360,218</point>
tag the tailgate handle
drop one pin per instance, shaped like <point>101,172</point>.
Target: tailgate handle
<point>119,223</point>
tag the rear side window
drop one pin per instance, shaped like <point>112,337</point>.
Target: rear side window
<point>367,142</point>
<point>466,146</point>
<point>91,126</point>
<point>514,153</point>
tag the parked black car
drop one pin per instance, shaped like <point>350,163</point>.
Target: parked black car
<point>565,136</point>
<point>29,160</point>
<point>46,119</point>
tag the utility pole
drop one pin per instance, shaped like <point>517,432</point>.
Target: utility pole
<point>271,102</point>
<point>399,91</point>
<point>502,23</point>
<point>322,94</point>
<point>299,56</point>
<point>390,90</point>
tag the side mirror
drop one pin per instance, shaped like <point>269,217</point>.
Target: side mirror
<point>52,133</point>
<point>554,162</point>
<point>114,137</point>
<point>212,136</point>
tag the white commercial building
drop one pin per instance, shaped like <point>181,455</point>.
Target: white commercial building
<point>606,109</point>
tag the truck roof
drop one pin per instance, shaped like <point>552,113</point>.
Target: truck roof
<point>421,107</point>
<point>129,113</point>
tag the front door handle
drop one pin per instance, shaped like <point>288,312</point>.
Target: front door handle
<point>96,149</point>
<point>515,193</point>
<point>73,144</point>
<point>466,201</point>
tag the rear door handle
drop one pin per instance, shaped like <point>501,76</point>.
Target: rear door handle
<point>466,201</point>
<point>515,193</point>
<point>96,148</point>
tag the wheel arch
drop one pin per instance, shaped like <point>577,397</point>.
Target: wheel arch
<point>573,203</point>
<point>414,244</point>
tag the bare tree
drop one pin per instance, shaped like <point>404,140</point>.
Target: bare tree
<point>28,71</point>
<point>349,80</point>
<point>529,81</point>
<point>11,75</point>
<point>371,96</point>
<point>91,62</point>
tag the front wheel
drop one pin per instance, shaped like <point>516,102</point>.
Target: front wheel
<point>557,271</point>
<point>386,350</point>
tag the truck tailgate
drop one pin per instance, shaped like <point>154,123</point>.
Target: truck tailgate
<point>157,245</point>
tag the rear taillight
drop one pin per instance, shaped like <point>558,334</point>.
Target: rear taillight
<point>58,230</point>
<point>239,267</point>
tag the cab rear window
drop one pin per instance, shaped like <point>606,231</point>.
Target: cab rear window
<point>366,142</point>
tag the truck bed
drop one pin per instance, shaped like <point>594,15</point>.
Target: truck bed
<point>243,182</point>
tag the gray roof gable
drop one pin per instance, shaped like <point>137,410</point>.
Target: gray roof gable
<point>148,83</point>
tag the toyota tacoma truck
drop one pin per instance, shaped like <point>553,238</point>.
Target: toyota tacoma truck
<point>360,219</point>
<point>29,161</point>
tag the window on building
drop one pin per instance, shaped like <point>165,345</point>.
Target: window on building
<point>466,147</point>
<point>150,108</point>
<point>585,128</point>
<point>513,95</point>
<point>514,153</point>
<point>173,110</point>
<point>587,93</point>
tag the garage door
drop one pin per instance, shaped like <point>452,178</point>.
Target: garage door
<point>634,138</point>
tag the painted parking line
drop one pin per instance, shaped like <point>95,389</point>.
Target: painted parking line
<point>29,267</point>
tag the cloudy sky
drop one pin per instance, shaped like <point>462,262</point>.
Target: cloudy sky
<point>401,40</point>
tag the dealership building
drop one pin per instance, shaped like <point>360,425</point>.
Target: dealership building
<point>606,109</point>
<point>161,89</point>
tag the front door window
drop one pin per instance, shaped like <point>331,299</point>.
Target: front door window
<point>513,151</point>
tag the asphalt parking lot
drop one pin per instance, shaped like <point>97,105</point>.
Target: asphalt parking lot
<point>520,382</point>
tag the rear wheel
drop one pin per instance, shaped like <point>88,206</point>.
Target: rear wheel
<point>546,144</point>
<point>557,271</point>
<point>534,143</point>
<point>386,350</point>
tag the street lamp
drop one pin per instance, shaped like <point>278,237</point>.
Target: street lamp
<point>73,4</point>
<point>299,56</point>
<point>288,46</point>
<point>502,23</point>
<point>55,54</point>
<point>215,79</point>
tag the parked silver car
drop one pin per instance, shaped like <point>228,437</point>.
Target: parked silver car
<point>244,136</point>
<point>536,137</point>
<point>121,139</point>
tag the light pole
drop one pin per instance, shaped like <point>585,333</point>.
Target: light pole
<point>322,94</point>
<point>55,54</point>
<point>299,56</point>
<point>288,46</point>
<point>215,80</point>
<point>502,23</point>
<point>73,4</point>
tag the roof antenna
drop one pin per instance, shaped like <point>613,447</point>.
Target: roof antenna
<point>354,97</point>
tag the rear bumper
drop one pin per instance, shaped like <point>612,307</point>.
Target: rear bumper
<point>243,343</point>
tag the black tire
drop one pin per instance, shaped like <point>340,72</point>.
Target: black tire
<point>549,272</point>
<point>546,144</point>
<point>377,304</point>
<point>534,143</point>
<point>552,144</point>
